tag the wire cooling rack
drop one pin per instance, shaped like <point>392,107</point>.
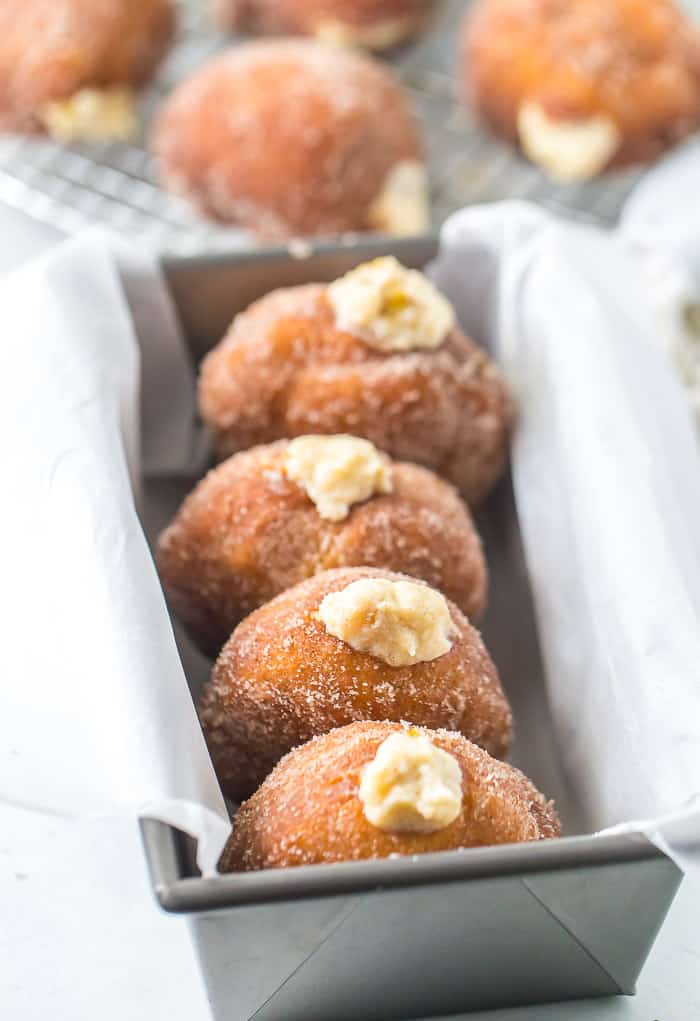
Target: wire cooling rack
<point>71,187</point>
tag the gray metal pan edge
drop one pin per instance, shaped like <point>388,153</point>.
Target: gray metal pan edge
<point>430,935</point>
<point>179,888</point>
<point>413,937</point>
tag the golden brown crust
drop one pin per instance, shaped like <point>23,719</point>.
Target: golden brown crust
<point>634,61</point>
<point>285,369</point>
<point>50,49</point>
<point>304,17</point>
<point>248,532</point>
<point>281,679</point>
<point>284,137</point>
<point>308,812</point>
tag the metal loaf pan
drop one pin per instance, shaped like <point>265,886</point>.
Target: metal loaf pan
<point>434,934</point>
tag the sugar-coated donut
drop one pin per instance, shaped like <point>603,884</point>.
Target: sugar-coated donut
<point>287,367</point>
<point>584,86</point>
<point>249,531</point>
<point>53,52</point>
<point>310,811</point>
<point>371,24</point>
<point>284,677</point>
<point>290,137</point>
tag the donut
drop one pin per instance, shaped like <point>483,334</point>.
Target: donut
<point>67,67</point>
<point>369,24</point>
<point>371,790</point>
<point>270,517</point>
<point>354,643</point>
<point>584,87</point>
<point>376,354</point>
<point>289,137</point>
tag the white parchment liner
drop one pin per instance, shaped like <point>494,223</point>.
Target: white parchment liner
<point>95,716</point>
<point>606,476</point>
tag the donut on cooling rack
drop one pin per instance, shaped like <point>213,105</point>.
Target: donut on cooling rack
<point>68,67</point>
<point>292,138</point>
<point>370,790</point>
<point>268,518</point>
<point>370,24</point>
<point>348,644</point>
<point>584,87</point>
<point>377,354</point>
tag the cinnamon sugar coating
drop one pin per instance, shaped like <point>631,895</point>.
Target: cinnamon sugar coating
<point>51,49</point>
<point>282,679</point>
<point>248,532</point>
<point>380,23</point>
<point>286,137</point>
<point>308,812</point>
<point>285,369</point>
<point>636,62</point>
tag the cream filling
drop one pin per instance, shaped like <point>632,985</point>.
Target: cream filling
<point>402,207</point>
<point>92,115</point>
<point>399,622</point>
<point>411,786</point>
<point>380,35</point>
<point>391,308</point>
<point>337,472</point>
<point>569,150</point>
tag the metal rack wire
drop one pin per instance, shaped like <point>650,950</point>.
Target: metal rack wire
<point>71,187</point>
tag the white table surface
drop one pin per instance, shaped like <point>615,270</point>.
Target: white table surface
<point>68,958</point>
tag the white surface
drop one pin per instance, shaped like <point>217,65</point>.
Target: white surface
<point>81,938</point>
<point>52,941</point>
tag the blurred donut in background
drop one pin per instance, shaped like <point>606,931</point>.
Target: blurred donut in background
<point>584,87</point>
<point>68,67</point>
<point>369,24</point>
<point>290,137</point>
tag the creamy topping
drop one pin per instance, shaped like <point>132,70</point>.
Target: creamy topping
<point>402,207</point>
<point>92,114</point>
<point>570,150</point>
<point>391,308</point>
<point>379,35</point>
<point>337,471</point>
<point>399,622</point>
<point>411,786</point>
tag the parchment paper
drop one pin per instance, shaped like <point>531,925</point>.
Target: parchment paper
<point>607,486</point>
<point>95,715</point>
